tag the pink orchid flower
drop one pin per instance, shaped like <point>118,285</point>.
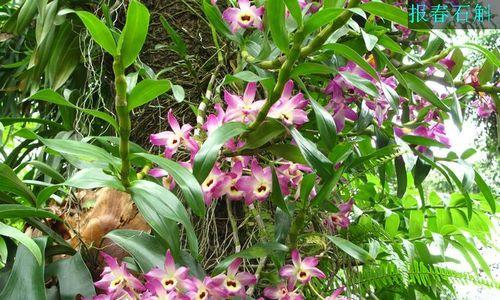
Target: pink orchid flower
<point>472,78</point>
<point>244,17</point>
<point>156,291</point>
<point>214,121</point>
<point>232,191</point>
<point>301,270</point>
<point>336,294</point>
<point>282,291</point>
<point>258,185</point>
<point>434,131</point>
<point>116,280</point>
<point>167,179</point>
<point>290,109</point>
<point>233,282</point>
<point>340,219</point>
<point>242,109</point>
<point>213,186</point>
<point>484,105</point>
<point>171,140</point>
<point>171,277</point>
<point>291,174</point>
<point>201,290</point>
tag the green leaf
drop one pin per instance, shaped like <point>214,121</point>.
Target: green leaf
<point>275,15</point>
<point>416,223</point>
<point>306,186</point>
<point>423,141</point>
<point>487,53</point>
<point>246,76</point>
<point>401,176</point>
<point>308,68</point>
<point>276,196</point>
<point>256,251</point>
<point>206,157</point>
<point>134,33</point>
<point>361,83</point>
<point>179,93</point>
<point>82,154</point>
<point>486,73</point>
<point>156,204</point>
<point>73,277</point>
<point>419,87</point>
<point>53,97</point>
<point>9,182</point>
<point>392,224</point>
<point>295,11</point>
<point>473,250</point>
<point>420,172</point>
<point>147,90</point>
<point>26,14</point>
<point>348,53</point>
<point>326,124</point>
<point>47,170</point>
<point>146,250</point>
<point>99,32</point>
<point>180,46</point>
<point>369,39</point>
<point>45,194</point>
<point>22,238</point>
<point>93,178</point>
<point>320,18</point>
<point>188,184</point>
<point>288,152</point>
<point>340,152</point>
<point>485,190</point>
<point>351,249</point>
<point>458,58</point>
<point>26,280</point>
<point>214,16</point>
<point>22,211</point>
<point>265,132</point>
<point>317,160</point>
<point>386,11</point>
<point>326,190</point>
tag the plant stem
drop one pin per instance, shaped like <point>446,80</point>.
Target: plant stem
<point>234,226</point>
<point>314,290</point>
<point>314,45</point>
<point>296,53</point>
<point>262,229</point>
<point>121,106</point>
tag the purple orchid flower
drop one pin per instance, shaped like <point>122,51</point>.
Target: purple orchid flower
<point>340,219</point>
<point>301,270</point>
<point>242,109</point>
<point>171,140</point>
<point>290,109</point>
<point>282,291</point>
<point>244,17</point>
<point>258,185</point>
<point>291,174</point>
<point>214,185</point>
<point>116,280</point>
<point>171,277</point>
<point>336,294</point>
<point>233,282</point>
<point>484,105</point>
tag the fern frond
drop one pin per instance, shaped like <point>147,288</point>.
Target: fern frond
<point>417,273</point>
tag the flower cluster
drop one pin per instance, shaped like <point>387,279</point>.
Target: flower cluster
<point>171,282</point>
<point>238,177</point>
<point>175,283</point>
<point>295,277</point>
